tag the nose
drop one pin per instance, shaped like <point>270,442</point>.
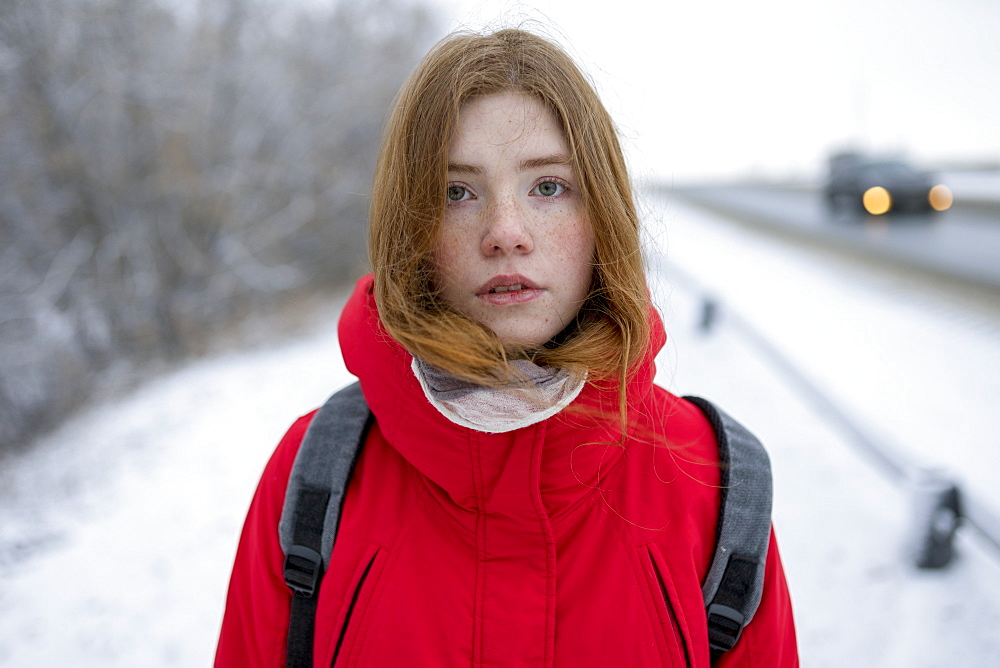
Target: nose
<point>507,229</point>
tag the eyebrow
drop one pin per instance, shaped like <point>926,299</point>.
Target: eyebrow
<point>464,169</point>
<point>554,159</point>
<point>530,163</point>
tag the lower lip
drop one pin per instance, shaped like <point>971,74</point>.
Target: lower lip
<point>511,296</point>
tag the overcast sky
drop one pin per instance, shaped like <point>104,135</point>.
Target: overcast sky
<point>736,88</point>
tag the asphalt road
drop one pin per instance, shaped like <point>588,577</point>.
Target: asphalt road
<point>962,243</point>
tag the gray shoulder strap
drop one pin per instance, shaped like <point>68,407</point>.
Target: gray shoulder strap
<point>324,463</point>
<point>735,582</point>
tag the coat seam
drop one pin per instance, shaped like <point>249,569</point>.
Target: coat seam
<point>353,597</point>
<point>478,626</point>
<point>675,613</point>
<point>550,543</point>
<point>652,616</point>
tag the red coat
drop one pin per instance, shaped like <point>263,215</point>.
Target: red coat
<point>544,546</point>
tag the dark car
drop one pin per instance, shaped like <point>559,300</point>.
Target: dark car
<point>881,186</point>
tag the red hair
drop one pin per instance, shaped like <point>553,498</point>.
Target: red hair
<point>611,332</point>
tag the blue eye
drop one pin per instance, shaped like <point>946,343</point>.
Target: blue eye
<point>457,193</point>
<point>550,189</point>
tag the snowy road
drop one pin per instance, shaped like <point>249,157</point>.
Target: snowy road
<point>917,366</point>
<point>963,242</point>
<point>118,531</point>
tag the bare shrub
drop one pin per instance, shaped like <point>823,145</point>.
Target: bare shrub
<point>168,168</point>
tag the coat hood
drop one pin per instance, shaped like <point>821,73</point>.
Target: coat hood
<point>482,471</point>
<point>555,544</point>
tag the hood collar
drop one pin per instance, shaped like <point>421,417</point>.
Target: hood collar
<point>563,456</point>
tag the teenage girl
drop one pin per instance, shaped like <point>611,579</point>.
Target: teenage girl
<point>526,495</point>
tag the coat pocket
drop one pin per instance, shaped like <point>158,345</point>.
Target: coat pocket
<point>673,627</point>
<point>362,583</point>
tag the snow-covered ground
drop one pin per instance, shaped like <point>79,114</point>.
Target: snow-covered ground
<point>118,531</point>
<point>917,367</point>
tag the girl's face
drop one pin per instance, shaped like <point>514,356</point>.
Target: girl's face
<point>515,251</point>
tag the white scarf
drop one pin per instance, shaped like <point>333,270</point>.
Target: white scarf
<point>545,392</point>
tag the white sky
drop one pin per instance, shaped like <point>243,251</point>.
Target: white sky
<point>736,88</point>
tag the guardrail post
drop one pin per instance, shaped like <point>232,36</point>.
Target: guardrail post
<point>935,514</point>
<point>937,506</point>
<point>709,314</point>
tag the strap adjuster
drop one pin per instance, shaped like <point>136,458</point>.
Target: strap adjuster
<point>303,568</point>
<point>725,625</point>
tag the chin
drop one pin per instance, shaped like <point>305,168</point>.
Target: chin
<point>531,331</point>
<point>523,338</point>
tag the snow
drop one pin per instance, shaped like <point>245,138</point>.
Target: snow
<point>117,531</point>
<point>917,368</point>
<point>132,542</point>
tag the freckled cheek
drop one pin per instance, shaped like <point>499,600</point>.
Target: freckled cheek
<point>448,255</point>
<point>574,235</point>
<point>568,227</point>
<point>577,240</point>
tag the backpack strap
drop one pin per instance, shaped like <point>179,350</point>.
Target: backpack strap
<point>311,512</point>
<point>313,500</point>
<point>735,581</point>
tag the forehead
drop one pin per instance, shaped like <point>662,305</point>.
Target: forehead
<point>505,124</point>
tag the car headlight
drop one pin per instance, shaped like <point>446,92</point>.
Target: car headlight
<point>877,200</point>
<point>940,197</point>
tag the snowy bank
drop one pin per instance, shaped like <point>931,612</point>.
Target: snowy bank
<point>128,516</point>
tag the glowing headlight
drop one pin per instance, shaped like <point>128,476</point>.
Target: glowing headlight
<point>940,198</point>
<point>877,200</point>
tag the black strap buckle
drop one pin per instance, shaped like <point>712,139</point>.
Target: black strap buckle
<point>303,568</point>
<point>725,625</point>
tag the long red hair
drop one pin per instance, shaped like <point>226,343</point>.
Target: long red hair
<point>611,332</point>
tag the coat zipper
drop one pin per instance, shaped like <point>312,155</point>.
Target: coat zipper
<point>671,613</point>
<point>350,609</point>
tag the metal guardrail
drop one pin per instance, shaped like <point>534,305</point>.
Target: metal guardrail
<point>951,261</point>
<point>940,506</point>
